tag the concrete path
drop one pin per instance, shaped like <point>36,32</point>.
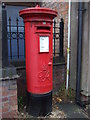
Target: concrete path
<point>72,110</point>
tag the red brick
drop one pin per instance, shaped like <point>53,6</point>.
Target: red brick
<point>0,100</point>
<point>4,88</point>
<point>12,98</point>
<point>0,115</point>
<point>13,108</point>
<point>12,114</point>
<point>5,109</point>
<point>5,115</point>
<point>13,102</point>
<point>0,88</point>
<point>4,91</point>
<point>0,110</point>
<point>67,7</point>
<point>4,99</point>
<point>5,104</point>
<point>12,92</point>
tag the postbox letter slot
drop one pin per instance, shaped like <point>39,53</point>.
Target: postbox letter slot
<point>43,28</point>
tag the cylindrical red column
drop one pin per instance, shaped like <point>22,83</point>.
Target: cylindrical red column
<point>39,58</point>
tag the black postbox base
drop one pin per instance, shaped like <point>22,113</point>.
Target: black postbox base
<point>39,105</point>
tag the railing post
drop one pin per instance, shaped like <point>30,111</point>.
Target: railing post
<point>61,38</point>
<point>17,38</point>
<point>10,38</point>
<point>4,37</point>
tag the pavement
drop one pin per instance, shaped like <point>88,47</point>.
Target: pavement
<point>72,110</point>
<point>61,110</point>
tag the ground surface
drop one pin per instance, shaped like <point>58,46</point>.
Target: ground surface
<point>61,109</point>
<point>71,110</point>
<point>63,106</point>
<point>56,113</point>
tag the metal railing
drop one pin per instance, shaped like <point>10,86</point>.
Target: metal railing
<point>16,33</point>
<point>58,37</point>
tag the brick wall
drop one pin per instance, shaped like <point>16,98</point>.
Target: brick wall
<point>62,9</point>
<point>9,98</point>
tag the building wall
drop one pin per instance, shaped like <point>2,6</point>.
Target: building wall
<point>85,73</point>
<point>62,9</point>
<point>85,65</point>
<point>73,46</point>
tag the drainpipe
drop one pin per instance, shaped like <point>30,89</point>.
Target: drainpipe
<point>68,49</point>
<point>79,53</point>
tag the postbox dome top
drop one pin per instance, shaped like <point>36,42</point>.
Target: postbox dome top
<point>38,11</point>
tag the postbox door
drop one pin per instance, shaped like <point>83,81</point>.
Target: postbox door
<point>45,62</point>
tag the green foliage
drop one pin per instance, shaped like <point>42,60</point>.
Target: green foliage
<point>20,103</point>
<point>71,93</point>
<point>66,95</point>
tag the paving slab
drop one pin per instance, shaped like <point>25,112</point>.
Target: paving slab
<point>72,110</point>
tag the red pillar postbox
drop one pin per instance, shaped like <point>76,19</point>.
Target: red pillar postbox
<point>39,58</point>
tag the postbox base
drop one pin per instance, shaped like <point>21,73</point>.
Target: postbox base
<point>39,105</point>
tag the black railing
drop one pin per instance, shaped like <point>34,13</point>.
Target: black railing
<point>58,37</point>
<point>61,38</point>
<point>16,33</point>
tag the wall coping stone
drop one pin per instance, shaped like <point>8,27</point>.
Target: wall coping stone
<point>10,78</point>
